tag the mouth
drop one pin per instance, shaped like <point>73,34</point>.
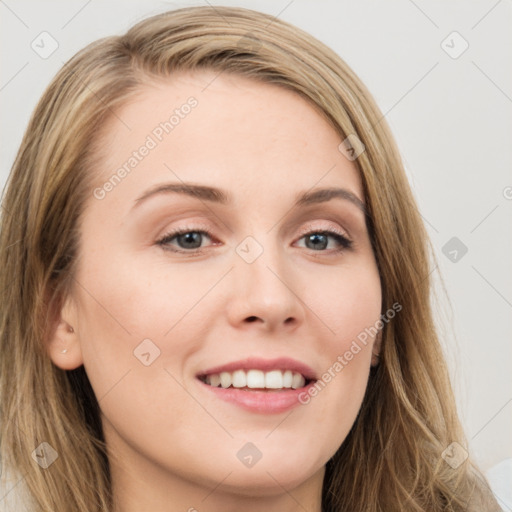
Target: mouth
<point>258,385</point>
<point>256,380</point>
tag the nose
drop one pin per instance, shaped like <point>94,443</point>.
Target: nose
<point>264,293</point>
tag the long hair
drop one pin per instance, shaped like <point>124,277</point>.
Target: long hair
<point>392,458</point>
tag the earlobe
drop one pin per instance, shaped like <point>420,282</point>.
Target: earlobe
<point>63,344</point>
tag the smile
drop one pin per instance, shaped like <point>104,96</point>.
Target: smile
<point>259,385</point>
<point>256,379</point>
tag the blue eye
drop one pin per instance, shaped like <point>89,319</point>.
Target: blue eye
<point>189,240</point>
<point>186,239</point>
<point>319,240</point>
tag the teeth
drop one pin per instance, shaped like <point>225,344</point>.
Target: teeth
<point>274,380</point>
<point>257,379</point>
<point>225,379</point>
<point>215,380</point>
<point>239,379</point>
<point>297,381</point>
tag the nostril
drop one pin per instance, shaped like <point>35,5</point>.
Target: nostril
<point>252,318</point>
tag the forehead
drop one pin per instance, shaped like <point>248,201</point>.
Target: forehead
<point>226,131</point>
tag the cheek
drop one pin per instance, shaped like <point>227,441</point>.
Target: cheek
<point>131,323</point>
<point>346,301</point>
<point>137,332</point>
<point>126,302</point>
<point>348,304</point>
<point>141,323</point>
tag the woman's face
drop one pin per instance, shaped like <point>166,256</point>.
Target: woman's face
<point>273,296</point>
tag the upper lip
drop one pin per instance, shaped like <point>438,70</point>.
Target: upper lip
<point>254,363</point>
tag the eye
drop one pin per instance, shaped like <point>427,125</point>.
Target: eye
<point>185,239</point>
<point>319,240</point>
<point>190,240</point>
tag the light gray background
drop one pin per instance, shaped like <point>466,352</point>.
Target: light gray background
<point>452,121</point>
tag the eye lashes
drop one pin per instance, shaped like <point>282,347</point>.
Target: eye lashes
<point>340,238</point>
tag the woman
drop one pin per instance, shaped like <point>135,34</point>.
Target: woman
<point>216,286</point>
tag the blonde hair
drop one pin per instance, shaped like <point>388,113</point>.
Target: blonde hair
<point>392,457</point>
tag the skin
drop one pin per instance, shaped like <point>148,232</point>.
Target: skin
<point>172,443</point>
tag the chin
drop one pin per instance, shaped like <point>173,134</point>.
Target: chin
<point>268,481</point>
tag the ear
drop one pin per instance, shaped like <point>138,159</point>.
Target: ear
<point>377,345</point>
<point>62,343</point>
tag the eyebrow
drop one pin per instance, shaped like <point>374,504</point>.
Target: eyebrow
<point>216,195</point>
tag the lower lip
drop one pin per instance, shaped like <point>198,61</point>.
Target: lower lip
<point>266,402</point>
